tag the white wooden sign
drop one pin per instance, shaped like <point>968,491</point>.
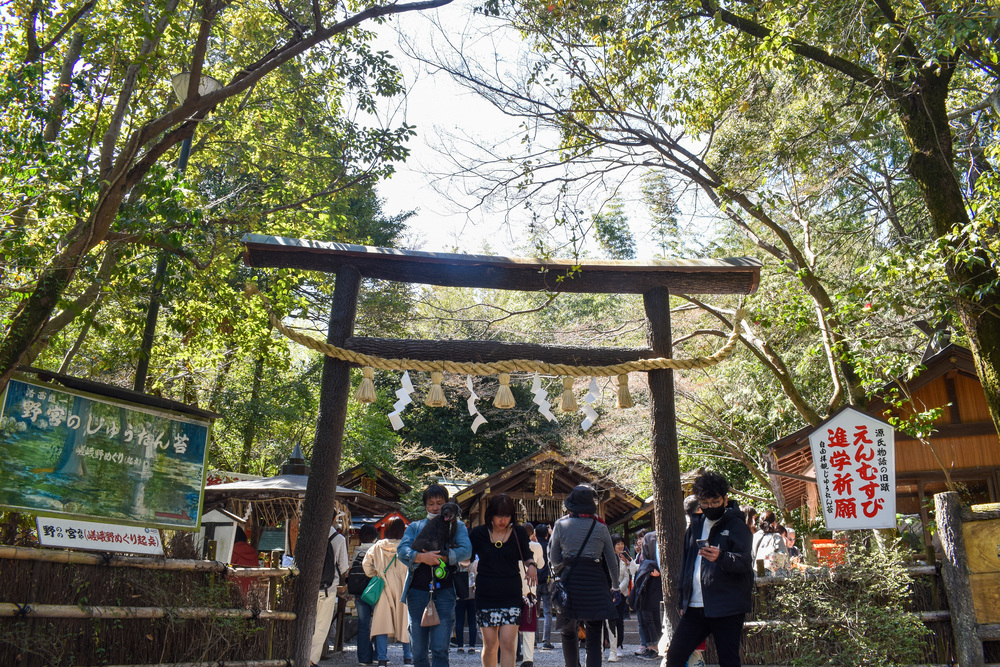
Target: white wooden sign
<point>77,534</point>
<point>855,459</point>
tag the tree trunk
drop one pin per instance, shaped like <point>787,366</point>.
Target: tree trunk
<point>321,489</point>
<point>925,122</point>
<point>253,416</point>
<point>35,311</point>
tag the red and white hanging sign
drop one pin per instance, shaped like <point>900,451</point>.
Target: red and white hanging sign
<point>855,459</point>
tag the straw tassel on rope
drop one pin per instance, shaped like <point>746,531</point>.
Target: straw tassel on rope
<point>504,398</point>
<point>624,397</point>
<point>568,399</point>
<point>435,395</point>
<point>365,393</point>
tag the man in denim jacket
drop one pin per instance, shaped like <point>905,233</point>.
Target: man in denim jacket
<point>420,580</point>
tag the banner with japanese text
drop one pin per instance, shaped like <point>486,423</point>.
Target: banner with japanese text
<point>855,459</point>
<point>69,453</point>
<point>79,534</point>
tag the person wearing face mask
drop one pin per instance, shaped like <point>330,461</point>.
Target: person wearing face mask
<point>717,576</point>
<point>421,582</point>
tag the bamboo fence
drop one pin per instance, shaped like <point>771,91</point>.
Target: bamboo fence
<point>66,609</point>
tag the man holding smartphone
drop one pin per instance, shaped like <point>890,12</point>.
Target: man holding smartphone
<point>717,576</point>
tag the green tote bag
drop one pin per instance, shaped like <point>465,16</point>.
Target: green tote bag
<point>373,591</point>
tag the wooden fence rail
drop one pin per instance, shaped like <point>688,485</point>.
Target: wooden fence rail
<point>9,609</point>
<point>141,562</point>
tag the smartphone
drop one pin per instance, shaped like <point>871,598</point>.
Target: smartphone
<point>702,544</point>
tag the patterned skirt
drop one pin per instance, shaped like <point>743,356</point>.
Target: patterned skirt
<point>491,618</point>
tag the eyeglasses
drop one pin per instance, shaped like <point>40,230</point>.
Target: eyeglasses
<point>712,502</point>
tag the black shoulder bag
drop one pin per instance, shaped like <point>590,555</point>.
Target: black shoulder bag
<point>557,587</point>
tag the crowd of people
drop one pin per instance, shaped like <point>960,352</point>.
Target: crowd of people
<point>505,583</point>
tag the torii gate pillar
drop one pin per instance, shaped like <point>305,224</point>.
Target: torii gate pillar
<point>667,492</point>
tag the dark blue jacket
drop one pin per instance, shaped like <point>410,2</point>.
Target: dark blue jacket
<point>726,584</point>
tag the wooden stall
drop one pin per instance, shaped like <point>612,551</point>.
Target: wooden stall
<point>539,483</point>
<point>376,482</point>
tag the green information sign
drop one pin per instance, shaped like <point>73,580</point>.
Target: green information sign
<point>67,453</point>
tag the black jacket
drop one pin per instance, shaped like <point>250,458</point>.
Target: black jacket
<point>726,584</point>
<point>647,591</point>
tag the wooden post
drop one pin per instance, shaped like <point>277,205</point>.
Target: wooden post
<point>925,526</point>
<point>668,496</point>
<point>321,489</point>
<point>955,575</point>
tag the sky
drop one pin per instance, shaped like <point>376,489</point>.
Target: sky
<point>439,107</point>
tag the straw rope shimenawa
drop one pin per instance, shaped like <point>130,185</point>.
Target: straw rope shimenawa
<point>508,366</point>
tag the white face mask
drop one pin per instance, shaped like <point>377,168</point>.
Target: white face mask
<point>432,516</point>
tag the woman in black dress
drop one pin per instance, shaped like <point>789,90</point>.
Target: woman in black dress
<point>501,546</point>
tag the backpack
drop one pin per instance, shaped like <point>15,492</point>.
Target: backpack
<point>329,565</point>
<point>543,574</point>
<point>357,580</point>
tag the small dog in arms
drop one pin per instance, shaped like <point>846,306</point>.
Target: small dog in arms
<point>439,533</point>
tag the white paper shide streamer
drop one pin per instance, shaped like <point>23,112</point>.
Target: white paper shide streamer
<point>593,393</point>
<point>473,410</point>
<point>403,393</point>
<point>541,398</point>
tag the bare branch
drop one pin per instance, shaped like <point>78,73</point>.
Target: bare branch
<point>337,188</point>
<point>770,359</point>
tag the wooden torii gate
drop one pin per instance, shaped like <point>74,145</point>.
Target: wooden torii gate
<point>351,263</point>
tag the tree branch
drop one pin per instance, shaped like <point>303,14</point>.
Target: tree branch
<point>31,32</point>
<point>128,87</point>
<point>54,123</point>
<point>770,359</point>
<point>818,55</point>
<point>73,20</point>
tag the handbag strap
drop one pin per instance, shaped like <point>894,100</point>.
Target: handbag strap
<point>519,552</point>
<point>388,566</point>
<point>579,553</point>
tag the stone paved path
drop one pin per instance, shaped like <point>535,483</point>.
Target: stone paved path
<point>551,658</point>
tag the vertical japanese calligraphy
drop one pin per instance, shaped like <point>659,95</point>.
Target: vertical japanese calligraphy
<point>854,456</point>
<point>66,453</point>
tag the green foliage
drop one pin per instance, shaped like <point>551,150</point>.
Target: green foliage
<point>290,155</point>
<point>508,435</point>
<point>855,614</point>
<point>613,233</point>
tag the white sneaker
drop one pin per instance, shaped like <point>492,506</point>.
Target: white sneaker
<point>613,657</point>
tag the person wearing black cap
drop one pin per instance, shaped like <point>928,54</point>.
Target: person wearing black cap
<point>582,555</point>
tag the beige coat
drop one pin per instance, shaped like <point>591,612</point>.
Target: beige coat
<point>538,555</point>
<point>390,617</point>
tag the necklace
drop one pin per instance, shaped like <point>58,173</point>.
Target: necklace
<point>498,543</point>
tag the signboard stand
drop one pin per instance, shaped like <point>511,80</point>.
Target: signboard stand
<point>855,459</point>
<point>77,454</point>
